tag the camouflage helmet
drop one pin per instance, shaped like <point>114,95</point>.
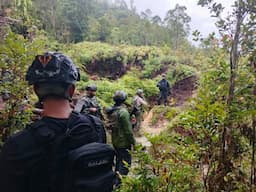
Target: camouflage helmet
<point>120,96</point>
<point>140,91</point>
<point>91,88</point>
<point>52,67</point>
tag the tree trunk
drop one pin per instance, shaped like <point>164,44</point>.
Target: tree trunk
<point>253,171</point>
<point>253,152</point>
<point>227,149</point>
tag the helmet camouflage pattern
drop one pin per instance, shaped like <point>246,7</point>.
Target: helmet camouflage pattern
<point>91,88</point>
<point>52,67</point>
<point>139,91</point>
<point>120,96</point>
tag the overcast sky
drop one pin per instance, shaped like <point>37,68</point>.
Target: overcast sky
<point>200,16</point>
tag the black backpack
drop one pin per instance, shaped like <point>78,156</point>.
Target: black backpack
<point>80,168</point>
<point>90,168</point>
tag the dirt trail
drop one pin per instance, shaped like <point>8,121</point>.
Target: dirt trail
<point>156,129</point>
<point>146,127</point>
<point>181,92</point>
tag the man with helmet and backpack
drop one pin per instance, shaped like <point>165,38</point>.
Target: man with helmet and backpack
<point>89,104</point>
<point>121,133</point>
<point>63,151</point>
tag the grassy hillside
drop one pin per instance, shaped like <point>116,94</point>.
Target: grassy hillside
<point>126,67</point>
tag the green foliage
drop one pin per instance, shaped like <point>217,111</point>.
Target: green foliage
<point>87,51</point>
<point>165,168</point>
<point>143,177</point>
<point>207,113</point>
<point>93,20</point>
<point>195,133</point>
<point>179,72</point>
<point>163,112</point>
<point>204,121</point>
<point>113,61</point>
<point>129,83</point>
<point>171,114</point>
<point>16,54</point>
<point>151,65</point>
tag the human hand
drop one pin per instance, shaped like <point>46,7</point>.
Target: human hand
<point>93,109</point>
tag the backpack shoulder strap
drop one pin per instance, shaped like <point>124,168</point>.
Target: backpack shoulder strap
<point>42,133</point>
<point>53,148</point>
<point>73,115</point>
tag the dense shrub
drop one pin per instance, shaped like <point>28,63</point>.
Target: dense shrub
<point>16,54</point>
<point>114,61</point>
<point>129,83</point>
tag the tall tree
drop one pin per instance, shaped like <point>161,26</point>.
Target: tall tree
<point>147,14</point>
<point>46,11</point>
<point>156,20</point>
<point>78,20</point>
<point>74,17</point>
<point>177,21</point>
<point>237,32</point>
<point>132,6</point>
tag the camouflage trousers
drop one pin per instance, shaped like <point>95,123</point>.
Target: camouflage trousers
<point>139,118</point>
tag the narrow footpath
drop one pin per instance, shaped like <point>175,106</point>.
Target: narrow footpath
<point>147,128</point>
<point>181,92</point>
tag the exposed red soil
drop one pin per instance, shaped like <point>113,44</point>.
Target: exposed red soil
<point>183,90</point>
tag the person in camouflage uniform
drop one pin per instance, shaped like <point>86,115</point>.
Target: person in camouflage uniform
<point>121,133</point>
<point>89,104</point>
<point>138,108</point>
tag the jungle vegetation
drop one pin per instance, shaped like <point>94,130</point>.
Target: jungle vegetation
<point>209,144</point>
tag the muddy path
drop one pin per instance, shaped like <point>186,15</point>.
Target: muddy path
<point>181,92</point>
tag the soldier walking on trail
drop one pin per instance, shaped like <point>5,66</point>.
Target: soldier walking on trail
<point>164,88</point>
<point>121,132</point>
<point>89,103</point>
<point>39,158</point>
<point>138,105</point>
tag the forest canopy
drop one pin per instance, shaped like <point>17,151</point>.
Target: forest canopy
<point>99,20</point>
